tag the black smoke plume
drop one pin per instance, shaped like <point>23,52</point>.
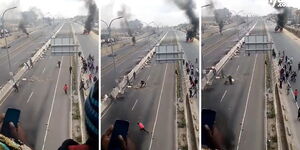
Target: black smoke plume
<point>29,17</point>
<point>23,22</point>
<point>125,14</point>
<point>188,6</point>
<point>282,17</point>
<point>92,7</point>
<point>219,20</point>
<point>23,28</point>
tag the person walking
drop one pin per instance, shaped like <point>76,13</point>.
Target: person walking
<point>58,64</point>
<point>97,69</point>
<point>142,127</point>
<point>280,83</point>
<point>95,78</point>
<point>191,92</point>
<point>66,89</point>
<point>70,69</point>
<point>296,93</point>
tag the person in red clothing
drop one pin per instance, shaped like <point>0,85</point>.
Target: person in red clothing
<point>66,89</point>
<point>142,127</point>
<point>296,94</point>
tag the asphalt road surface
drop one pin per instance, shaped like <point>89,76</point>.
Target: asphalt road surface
<point>45,108</point>
<point>153,105</point>
<point>21,49</point>
<point>240,107</point>
<point>126,58</point>
<point>216,46</point>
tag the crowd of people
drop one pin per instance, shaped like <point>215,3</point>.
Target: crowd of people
<point>89,68</point>
<point>287,73</point>
<point>193,73</point>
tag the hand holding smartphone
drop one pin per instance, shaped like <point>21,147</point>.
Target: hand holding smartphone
<point>120,128</point>
<point>11,115</point>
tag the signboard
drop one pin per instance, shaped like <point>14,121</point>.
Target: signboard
<point>64,42</point>
<point>168,53</point>
<point>258,43</point>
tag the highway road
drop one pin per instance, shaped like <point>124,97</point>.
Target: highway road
<point>126,58</point>
<point>153,105</point>
<point>290,44</point>
<point>45,109</point>
<point>21,49</point>
<point>216,46</point>
<point>240,107</point>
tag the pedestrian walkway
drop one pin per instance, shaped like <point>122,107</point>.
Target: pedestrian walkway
<point>289,105</point>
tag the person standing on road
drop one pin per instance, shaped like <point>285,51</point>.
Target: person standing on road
<point>298,66</point>
<point>280,83</point>
<point>296,94</point>
<point>142,127</point>
<point>66,89</point>
<point>58,64</point>
<point>97,69</point>
<point>70,69</point>
<point>134,74</point>
<point>16,87</point>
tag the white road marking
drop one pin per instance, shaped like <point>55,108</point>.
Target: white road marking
<point>223,96</point>
<point>54,96</point>
<point>44,70</point>
<point>148,77</point>
<point>105,111</point>
<point>134,104</point>
<point>244,115</point>
<point>29,97</point>
<point>161,91</point>
<point>237,69</point>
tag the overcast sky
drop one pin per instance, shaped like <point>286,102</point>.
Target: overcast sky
<point>54,8</point>
<point>163,12</point>
<point>257,7</point>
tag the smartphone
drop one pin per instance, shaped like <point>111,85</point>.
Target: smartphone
<point>120,128</point>
<point>11,115</point>
<point>208,118</point>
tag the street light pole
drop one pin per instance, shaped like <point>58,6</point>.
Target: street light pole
<point>6,47</point>
<point>109,34</point>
